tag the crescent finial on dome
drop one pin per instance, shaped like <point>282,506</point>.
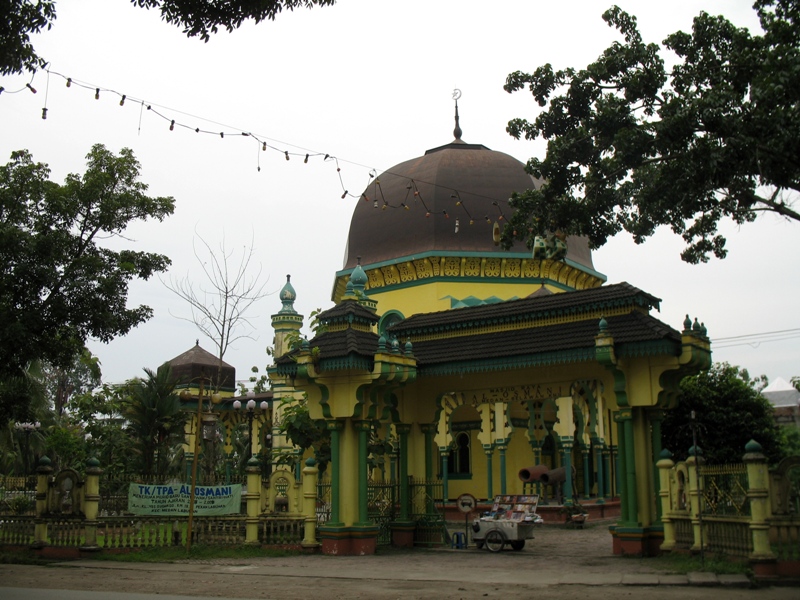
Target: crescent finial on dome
<point>457,131</point>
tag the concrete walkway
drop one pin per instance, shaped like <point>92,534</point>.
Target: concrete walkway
<point>457,571</point>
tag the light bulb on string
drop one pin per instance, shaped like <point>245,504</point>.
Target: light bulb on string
<point>306,160</point>
<point>344,195</point>
<point>97,93</point>
<point>375,204</point>
<point>457,224</point>
<point>385,204</point>
<point>172,125</point>
<point>286,152</point>
<point>69,81</point>
<point>122,100</point>
<point>446,216</point>
<point>222,135</point>
<point>44,113</point>
<point>31,88</point>
<point>264,147</point>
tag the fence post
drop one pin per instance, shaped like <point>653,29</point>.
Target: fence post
<point>43,472</point>
<point>762,559</point>
<point>664,465</point>
<point>695,487</point>
<point>310,473</point>
<point>91,501</point>
<point>253,499</point>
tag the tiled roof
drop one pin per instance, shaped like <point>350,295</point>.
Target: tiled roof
<point>542,306</point>
<point>341,343</point>
<point>198,356</point>
<point>626,329</point>
<point>337,344</point>
<point>346,309</point>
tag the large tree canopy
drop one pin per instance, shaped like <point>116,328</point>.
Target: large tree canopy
<point>632,146</point>
<point>729,412</point>
<point>58,286</point>
<point>197,18</point>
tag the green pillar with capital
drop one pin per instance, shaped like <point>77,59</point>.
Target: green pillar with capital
<point>335,427</point>
<point>566,457</point>
<point>363,428</point>
<point>428,431</point>
<point>502,447</point>
<point>489,450</point>
<point>403,429</point>
<point>601,476</point>
<point>656,416</point>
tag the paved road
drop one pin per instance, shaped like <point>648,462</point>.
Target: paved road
<point>559,564</point>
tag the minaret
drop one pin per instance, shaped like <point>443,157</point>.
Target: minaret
<point>286,321</point>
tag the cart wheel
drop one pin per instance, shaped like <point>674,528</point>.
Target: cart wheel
<point>479,544</point>
<point>517,544</point>
<point>495,540</point>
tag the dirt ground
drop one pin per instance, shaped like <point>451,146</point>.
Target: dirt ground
<point>583,556</point>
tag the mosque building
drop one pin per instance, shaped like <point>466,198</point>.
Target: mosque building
<point>476,362</point>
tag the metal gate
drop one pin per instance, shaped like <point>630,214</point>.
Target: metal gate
<point>382,497</point>
<point>427,512</point>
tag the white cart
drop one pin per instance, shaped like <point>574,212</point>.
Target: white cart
<point>511,521</point>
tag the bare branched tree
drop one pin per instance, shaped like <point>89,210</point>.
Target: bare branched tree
<point>219,304</point>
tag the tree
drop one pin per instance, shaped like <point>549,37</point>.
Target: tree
<point>58,286</point>
<point>79,377</point>
<point>729,412</point>
<point>632,147</point>
<point>219,310</point>
<point>23,18</point>
<point>198,18</point>
<point>100,415</point>
<point>155,418</point>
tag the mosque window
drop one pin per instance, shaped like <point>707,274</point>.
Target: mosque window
<point>458,463</point>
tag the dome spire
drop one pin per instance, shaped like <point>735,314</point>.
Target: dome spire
<point>457,131</point>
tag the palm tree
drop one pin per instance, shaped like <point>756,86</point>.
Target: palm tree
<point>155,419</point>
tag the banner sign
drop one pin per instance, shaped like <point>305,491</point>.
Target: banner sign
<point>173,499</point>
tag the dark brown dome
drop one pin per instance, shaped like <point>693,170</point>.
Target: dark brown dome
<point>482,179</point>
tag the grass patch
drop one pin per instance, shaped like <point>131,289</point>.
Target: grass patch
<point>688,563</point>
<point>198,552</point>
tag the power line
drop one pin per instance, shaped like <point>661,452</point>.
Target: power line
<point>755,339</point>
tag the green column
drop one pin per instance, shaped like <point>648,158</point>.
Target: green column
<point>363,428</point>
<point>587,488</point>
<point>600,462</point>
<point>567,464</point>
<point>445,454</point>
<point>502,447</point>
<point>488,449</point>
<point>622,482</point>
<point>630,506</point>
<point>428,430</point>
<point>335,427</point>
<point>403,430</point>
<point>607,479</point>
<point>656,416</point>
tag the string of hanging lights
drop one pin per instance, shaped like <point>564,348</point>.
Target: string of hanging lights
<point>413,197</point>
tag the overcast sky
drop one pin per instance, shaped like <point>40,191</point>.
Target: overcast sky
<point>369,83</point>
